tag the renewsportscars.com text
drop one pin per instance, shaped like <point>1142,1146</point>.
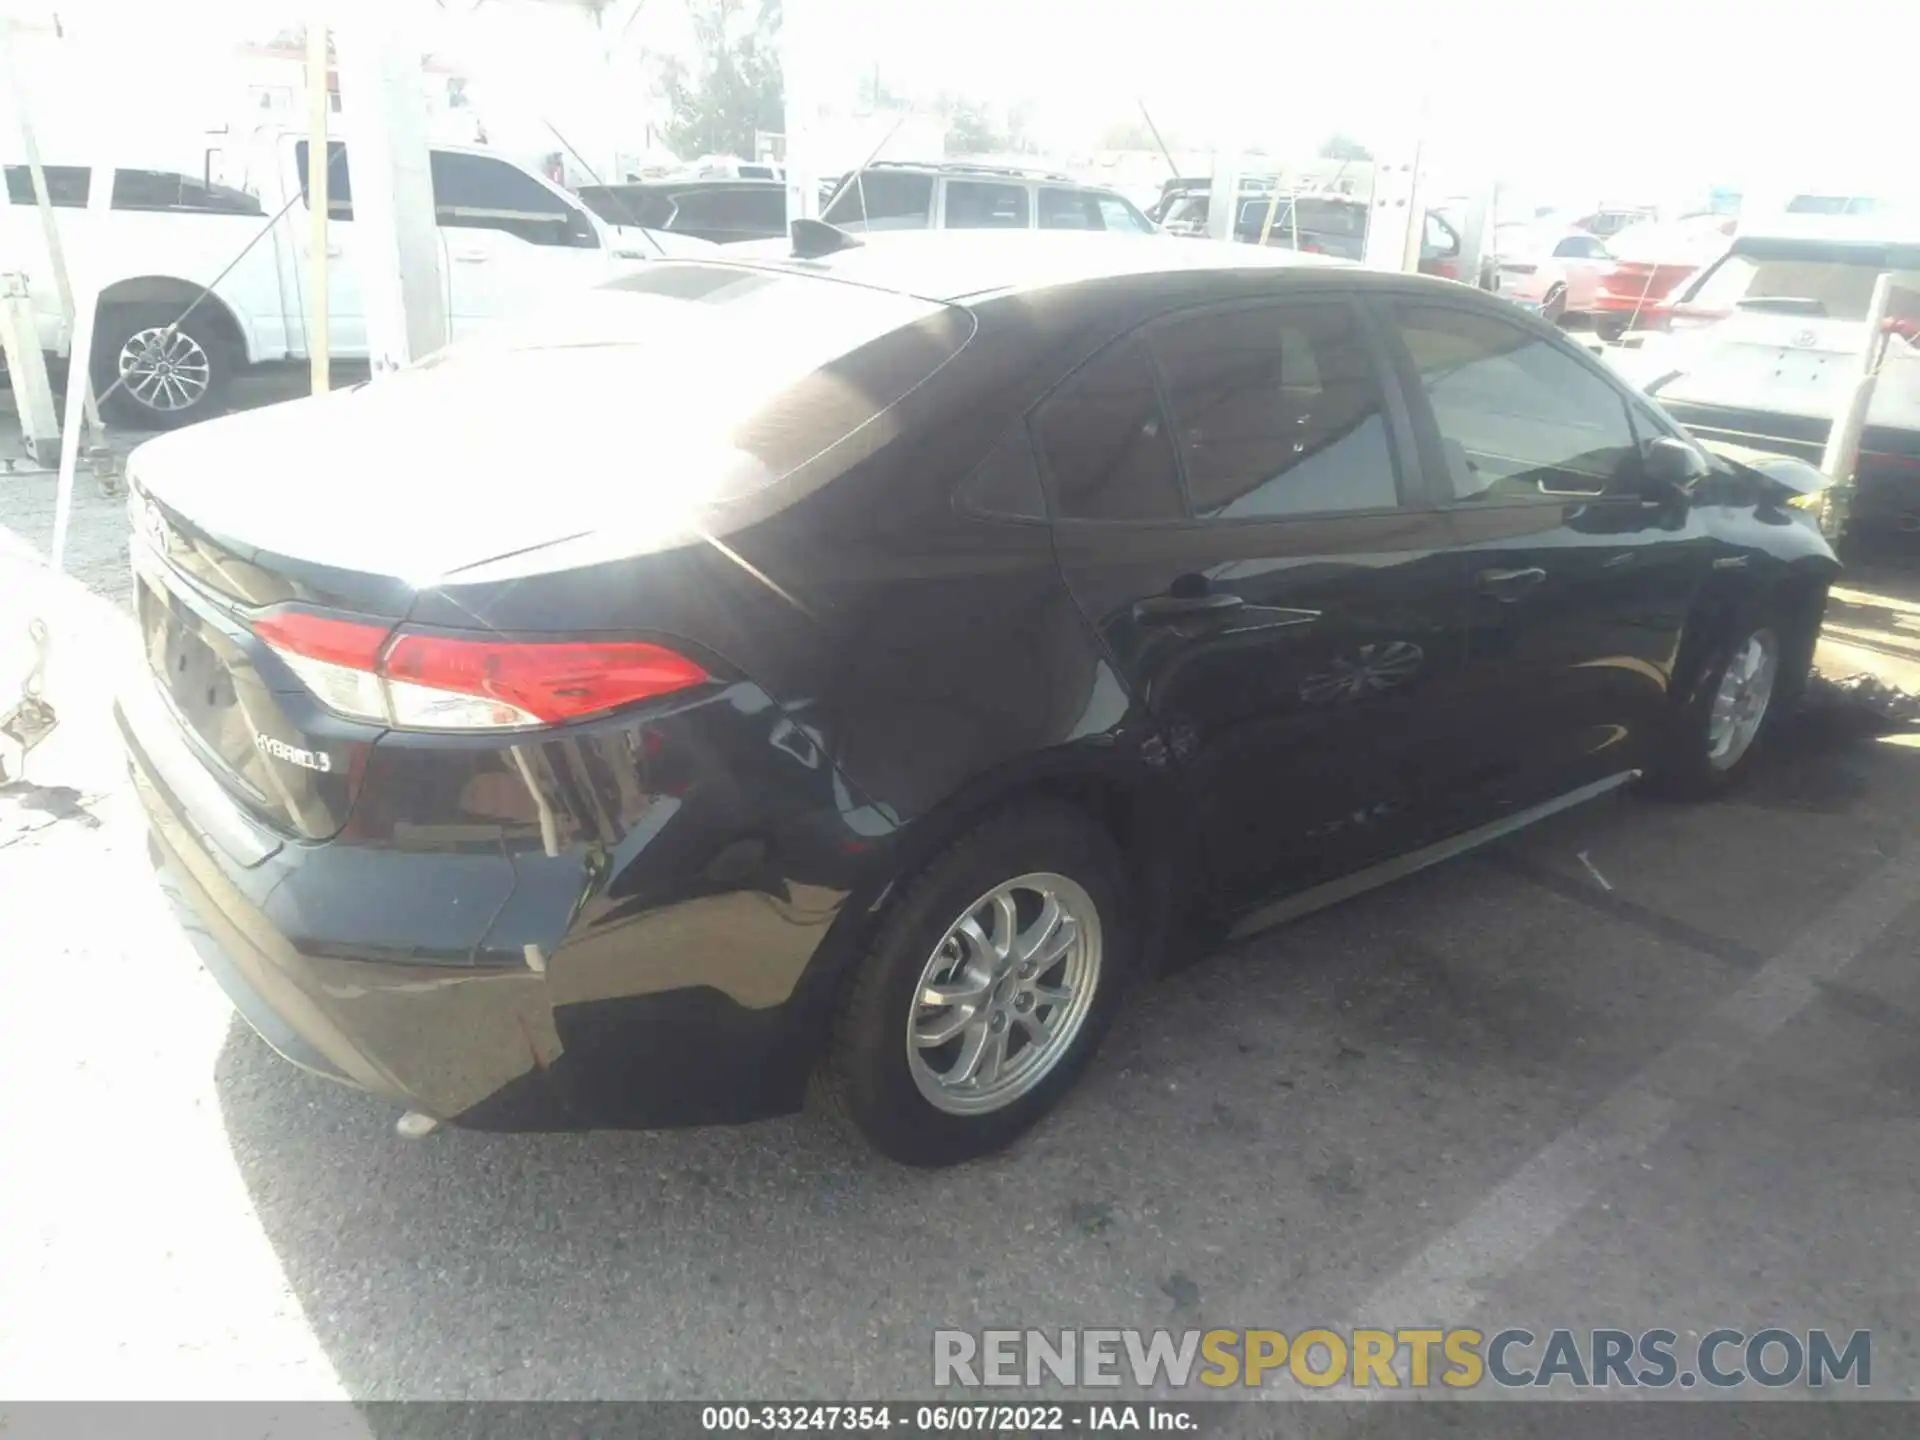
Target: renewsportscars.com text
<point>1457,1359</point>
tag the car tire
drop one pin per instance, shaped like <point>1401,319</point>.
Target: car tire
<point>1753,673</point>
<point>1609,328</point>
<point>170,380</point>
<point>1553,309</point>
<point>891,1066</point>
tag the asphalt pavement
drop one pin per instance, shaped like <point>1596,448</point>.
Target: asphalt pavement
<point>1643,1065</point>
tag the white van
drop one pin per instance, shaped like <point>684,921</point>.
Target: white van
<point>1765,343</point>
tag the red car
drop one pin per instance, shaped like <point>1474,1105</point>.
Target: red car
<point>1650,260</point>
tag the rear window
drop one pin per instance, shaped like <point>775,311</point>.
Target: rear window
<point>883,200</point>
<point>1821,281</point>
<point>729,378</point>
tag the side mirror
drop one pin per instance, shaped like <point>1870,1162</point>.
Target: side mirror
<point>1670,468</point>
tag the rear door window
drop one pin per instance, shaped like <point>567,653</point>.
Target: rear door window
<point>986,205</point>
<point>883,200</point>
<point>1106,442</point>
<point>339,180</point>
<point>169,191</point>
<point>1277,410</point>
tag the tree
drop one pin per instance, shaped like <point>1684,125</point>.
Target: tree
<point>733,86</point>
<point>1338,146</point>
<point>972,128</point>
<point>1134,134</point>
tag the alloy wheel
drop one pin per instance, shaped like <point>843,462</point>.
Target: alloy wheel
<point>165,372</point>
<point>1005,994</point>
<point>1740,704</point>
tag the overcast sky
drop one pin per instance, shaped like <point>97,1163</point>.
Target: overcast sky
<point>1622,93</point>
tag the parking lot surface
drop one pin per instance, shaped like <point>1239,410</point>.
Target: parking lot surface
<point>1644,1065</point>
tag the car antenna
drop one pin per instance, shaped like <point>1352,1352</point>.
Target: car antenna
<point>815,238</point>
<point>854,178</point>
<point>580,160</point>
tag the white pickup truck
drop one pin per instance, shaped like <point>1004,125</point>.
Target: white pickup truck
<point>508,238</point>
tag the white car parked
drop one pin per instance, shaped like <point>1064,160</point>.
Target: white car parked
<point>508,238</point>
<point>1765,342</point>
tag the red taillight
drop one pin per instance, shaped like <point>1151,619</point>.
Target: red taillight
<point>553,682</point>
<point>423,680</point>
<point>352,643</point>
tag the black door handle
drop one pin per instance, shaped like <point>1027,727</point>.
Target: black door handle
<point>1171,609</point>
<point>1508,585</point>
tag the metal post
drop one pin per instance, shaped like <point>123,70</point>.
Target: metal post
<point>1842,453</point>
<point>320,326</point>
<point>397,237</point>
<point>1476,239</point>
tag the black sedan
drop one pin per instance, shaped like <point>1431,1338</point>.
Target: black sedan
<point>956,627</point>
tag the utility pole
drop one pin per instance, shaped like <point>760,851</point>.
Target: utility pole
<point>319,307</point>
<point>396,234</point>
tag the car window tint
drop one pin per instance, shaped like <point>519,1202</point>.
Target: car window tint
<point>986,205</point>
<point>171,191</point>
<point>1006,485</point>
<point>339,179</point>
<point>67,185</point>
<point>882,200</point>
<point>1277,410</point>
<point>744,211</point>
<point>1065,210</point>
<point>1117,214</point>
<point>478,192</point>
<point>1106,442</point>
<point>1519,418</point>
<point>1580,247</point>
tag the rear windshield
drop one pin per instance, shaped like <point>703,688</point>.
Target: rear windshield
<point>1823,281</point>
<point>731,377</point>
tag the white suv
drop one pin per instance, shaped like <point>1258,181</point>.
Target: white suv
<point>961,196</point>
<point>1765,341</point>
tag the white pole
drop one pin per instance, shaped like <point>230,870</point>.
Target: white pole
<point>49,224</point>
<point>1842,453</point>
<point>320,327</point>
<point>80,366</point>
<point>398,238</point>
<point>800,63</point>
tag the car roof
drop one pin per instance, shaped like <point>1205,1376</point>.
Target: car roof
<point>953,265</point>
<point>1875,229</point>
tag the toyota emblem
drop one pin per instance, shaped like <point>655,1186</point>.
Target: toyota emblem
<point>1804,338</point>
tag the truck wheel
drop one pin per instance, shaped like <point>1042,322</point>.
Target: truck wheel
<point>1609,328</point>
<point>154,371</point>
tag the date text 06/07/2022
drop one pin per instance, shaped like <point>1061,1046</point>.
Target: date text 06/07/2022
<point>937,1418</point>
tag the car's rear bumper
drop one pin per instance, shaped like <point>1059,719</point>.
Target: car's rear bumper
<point>701,1009</point>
